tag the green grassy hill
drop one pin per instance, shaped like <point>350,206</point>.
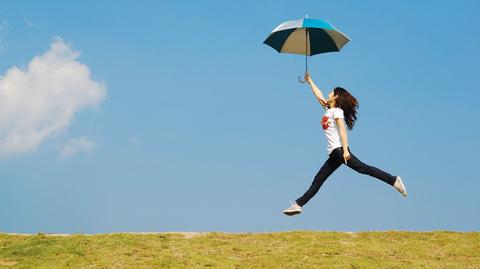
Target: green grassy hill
<point>294,249</point>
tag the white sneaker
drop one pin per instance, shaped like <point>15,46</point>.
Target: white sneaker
<point>400,187</point>
<point>294,209</point>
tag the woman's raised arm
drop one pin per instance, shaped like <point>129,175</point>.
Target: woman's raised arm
<point>316,91</point>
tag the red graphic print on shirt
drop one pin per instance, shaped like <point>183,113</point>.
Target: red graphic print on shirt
<point>325,122</point>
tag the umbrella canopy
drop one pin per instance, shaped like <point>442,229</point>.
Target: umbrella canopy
<point>306,37</point>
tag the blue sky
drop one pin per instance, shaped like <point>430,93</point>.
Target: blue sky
<point>204,128</point>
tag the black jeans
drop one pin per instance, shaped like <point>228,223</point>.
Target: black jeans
<point>334,160</point>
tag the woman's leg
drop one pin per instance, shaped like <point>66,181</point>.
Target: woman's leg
<point>362,168</point>
<point>327,169</point>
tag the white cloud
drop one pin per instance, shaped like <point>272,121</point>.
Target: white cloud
<point>77,145</point>
<point>41,101</point>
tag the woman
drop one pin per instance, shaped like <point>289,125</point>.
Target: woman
<point>341,109</point>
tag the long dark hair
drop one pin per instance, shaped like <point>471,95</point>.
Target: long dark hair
<point>348,104</point>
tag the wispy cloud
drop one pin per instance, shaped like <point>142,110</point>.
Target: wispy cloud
<point>76,145</point>
<point>134,141</point>
<point>29,23</point>
<point>3,34</point>
<point>41,101</point>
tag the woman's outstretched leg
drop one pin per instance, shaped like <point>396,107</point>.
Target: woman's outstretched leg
<point>362,168</point>
<point>327,169</point>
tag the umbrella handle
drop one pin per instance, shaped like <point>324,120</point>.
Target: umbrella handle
<point>301,80</point>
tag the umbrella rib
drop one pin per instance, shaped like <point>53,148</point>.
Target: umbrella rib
<point>306,50</point>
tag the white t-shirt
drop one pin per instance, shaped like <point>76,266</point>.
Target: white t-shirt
<point>330,127</point>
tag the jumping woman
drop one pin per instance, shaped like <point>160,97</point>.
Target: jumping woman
<point>341,109</point>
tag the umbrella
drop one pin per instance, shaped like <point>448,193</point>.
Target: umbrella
<point>306,37</point>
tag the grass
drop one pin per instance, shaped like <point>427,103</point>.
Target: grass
<point>293,249</point>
